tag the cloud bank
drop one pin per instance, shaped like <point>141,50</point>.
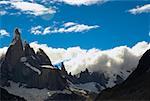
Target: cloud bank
<point>119,60</point>
<point>27,7</point>
<point>139,10</point>
<point>68,27</point>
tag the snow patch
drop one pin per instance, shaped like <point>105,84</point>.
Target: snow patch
<point>47,66</point>
<point>90,86</point>
<point>33,57</point>
<point>32,94</point>
<point>33,68</point>
<point>23,59</point>
<point>73,87</point>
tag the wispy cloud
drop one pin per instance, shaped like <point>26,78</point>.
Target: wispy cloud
<point>36,30</point>
<point>139,10</point>
<point>68,27</point>
<point>28,7</point>
<point>81,2</point>
<point>3,32</point>
<point>2,12</point>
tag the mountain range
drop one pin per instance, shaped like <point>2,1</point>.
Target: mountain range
<point>34,70</point>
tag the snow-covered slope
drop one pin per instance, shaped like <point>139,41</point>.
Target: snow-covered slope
<point>31,94</point>
<point>91,86</point>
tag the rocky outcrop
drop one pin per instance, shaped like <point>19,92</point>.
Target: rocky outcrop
<point>43,58</point>
<point>5,96</point>
<point>86,76</point>
<point>135,87</point>
<point>52,79</point>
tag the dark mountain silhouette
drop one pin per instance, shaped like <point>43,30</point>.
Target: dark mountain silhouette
<point>135,87</point>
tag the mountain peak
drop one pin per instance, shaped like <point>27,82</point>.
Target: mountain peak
<point>16,33</point>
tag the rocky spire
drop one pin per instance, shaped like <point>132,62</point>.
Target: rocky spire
<point>63,69</point>
<point>12,57</point>
<point>28,51</point>
<point>17,33</point>
<point>15,50</point>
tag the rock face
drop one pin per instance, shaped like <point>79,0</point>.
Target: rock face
<point>12,57</point>
<point>52,79</point>
<point>63,69</point>
<point>5,96</point>
<point>86,77</point>
<point>21,64</point>
<point>43,58</point>
<point>135,87</point>
<point>15,50</point>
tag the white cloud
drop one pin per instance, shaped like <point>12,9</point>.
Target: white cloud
<point>47,30</point>
<point>139,10</point>
<point>3,32</point>
<point>110,61</point>
<point>36,30</point>
<point>76,28</point>
<point>117,61</point>
<point>29,7</point>
<point>81,2</point>
<point>67,28</point>
<point>68,24</point>
<point>3,51</point>
<point>3,12</point>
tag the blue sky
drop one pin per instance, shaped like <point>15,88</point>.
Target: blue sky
<point>101,25</point>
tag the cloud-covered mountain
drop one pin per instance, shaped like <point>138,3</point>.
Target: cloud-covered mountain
<point>135,87</point>
<point>117,61</point>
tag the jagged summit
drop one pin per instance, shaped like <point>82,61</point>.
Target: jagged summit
<point>16,34</point>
